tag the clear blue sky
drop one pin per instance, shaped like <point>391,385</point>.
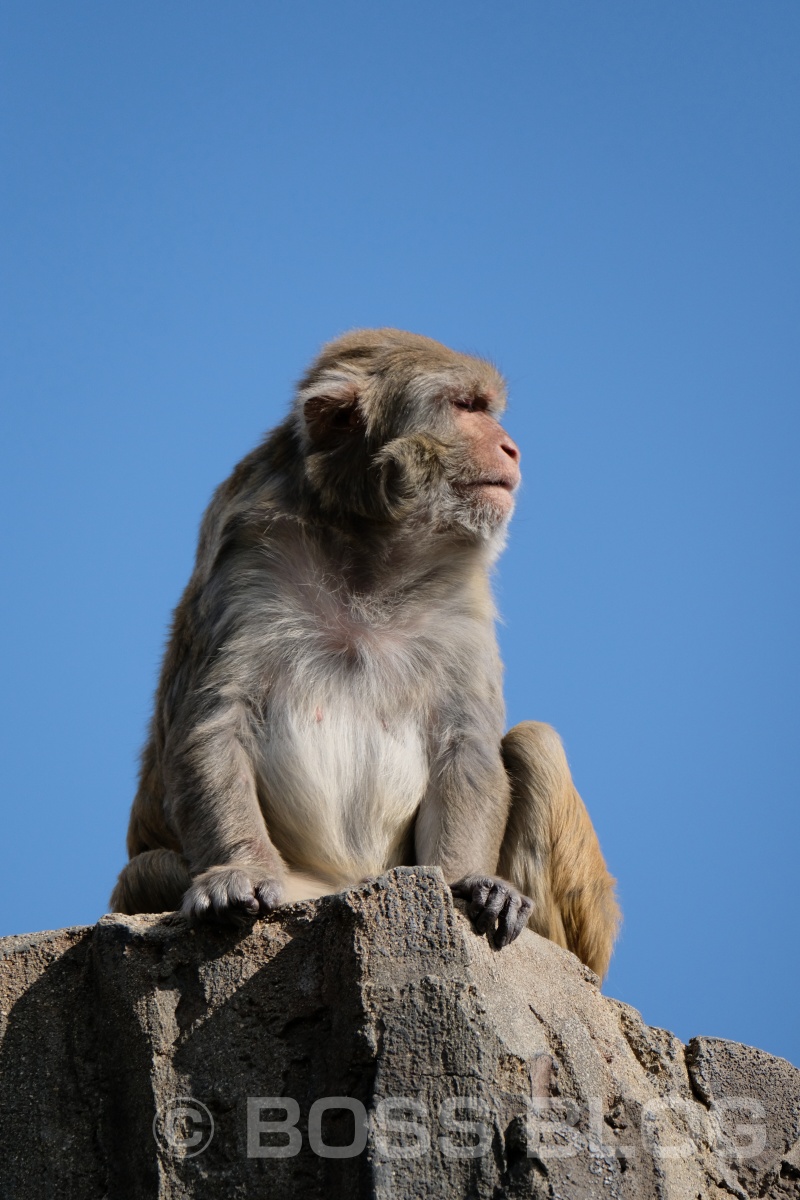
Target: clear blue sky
<point>602,197</point>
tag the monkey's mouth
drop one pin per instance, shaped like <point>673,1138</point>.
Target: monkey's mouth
<point>505,484</point>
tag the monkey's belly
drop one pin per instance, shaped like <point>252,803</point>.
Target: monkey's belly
<point>340,786</point>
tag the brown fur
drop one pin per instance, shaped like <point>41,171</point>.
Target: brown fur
<point>330,701</point>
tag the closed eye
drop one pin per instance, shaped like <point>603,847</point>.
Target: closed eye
<point>471,403</point>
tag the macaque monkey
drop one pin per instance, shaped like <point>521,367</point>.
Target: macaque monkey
<point>330,701</point>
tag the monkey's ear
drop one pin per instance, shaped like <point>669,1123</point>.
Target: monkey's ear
<point>332,417</point>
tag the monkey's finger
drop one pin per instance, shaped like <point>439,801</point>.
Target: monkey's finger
<point>487,915</point>
<point>196,904</point>
<point>507,920</point>
<point>478,889</point>
<point>268,894</point>
<point>231,894</point>
<point>513,918</point>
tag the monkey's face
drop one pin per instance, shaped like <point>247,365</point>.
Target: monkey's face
<point>400,429</point>
<point>490,474</point>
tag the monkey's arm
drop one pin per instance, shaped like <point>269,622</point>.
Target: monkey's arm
<point>212,804</point>
<point>460,828</point>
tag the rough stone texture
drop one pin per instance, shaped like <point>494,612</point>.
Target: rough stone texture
<point>383,991</point>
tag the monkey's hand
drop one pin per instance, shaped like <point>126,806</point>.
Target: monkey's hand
<point>494,905</point>
<point>231,893</point>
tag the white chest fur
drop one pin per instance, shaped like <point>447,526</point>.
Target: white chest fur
<point>345,753</point>
<point>342,778</point>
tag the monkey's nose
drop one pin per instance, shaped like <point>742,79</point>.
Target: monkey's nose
<point>510,447</point>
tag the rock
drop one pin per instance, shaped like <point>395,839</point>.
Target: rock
<point>403,1056</point>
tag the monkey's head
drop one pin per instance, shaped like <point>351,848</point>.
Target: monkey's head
<point>398,428</point>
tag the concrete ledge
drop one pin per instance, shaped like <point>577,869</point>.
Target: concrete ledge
<point>140,1058</point>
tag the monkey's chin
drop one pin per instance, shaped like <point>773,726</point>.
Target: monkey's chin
<point>486,510</point>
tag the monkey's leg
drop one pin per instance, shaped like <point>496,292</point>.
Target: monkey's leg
<point>155,881</point>
<point>550,850</point>
<point>152,882</point>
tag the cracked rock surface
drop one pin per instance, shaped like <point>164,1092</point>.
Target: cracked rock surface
<point>371,1045</point>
